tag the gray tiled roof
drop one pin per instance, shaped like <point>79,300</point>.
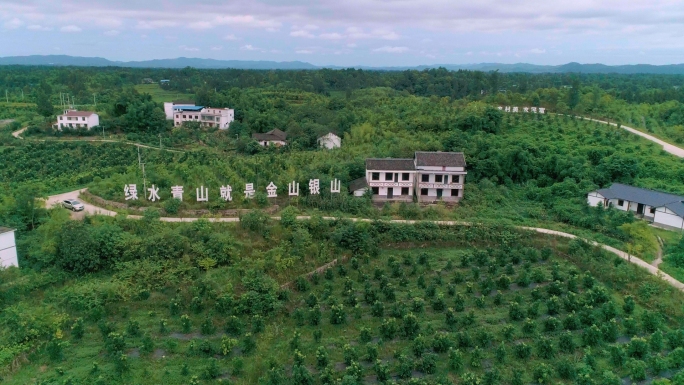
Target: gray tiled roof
<point>677,208</point>
<point>5,230</point>
<point>440,159</point>
<point>644,196</point>
<point>273,135</point>
<point>358,184</point>
<point>390,164</point>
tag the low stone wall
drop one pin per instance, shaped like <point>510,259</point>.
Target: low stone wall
<point>101,202</point>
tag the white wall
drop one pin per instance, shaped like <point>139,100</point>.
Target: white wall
<point>360,192</point>
<point>666,217</point>
<point>8,250</point>
<point>594,199</point>
<point>330,141</point>
<point>168,110</point>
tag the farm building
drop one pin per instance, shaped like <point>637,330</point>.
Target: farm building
<point>330,141</point>
<point>663,209</point>
<point>274,137</point>
<point>73,119</point>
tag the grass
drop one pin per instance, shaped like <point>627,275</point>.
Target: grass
<point>411,272</point>
<point>160,95</point>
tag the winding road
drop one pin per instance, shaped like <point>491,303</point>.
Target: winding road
<point>667,147</point>
<point>94,210</point>
<point>17,134</point>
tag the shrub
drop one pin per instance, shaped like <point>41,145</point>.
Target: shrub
<point>388,329</point>
<point>371,352</point>
<point>207,327</point>
<point>147,345</point>
<point>410,326</point>
<point>637,370</point>
<point>211,371</point>
<point>542,373</point>
<point>566,343</point>
<point>566,369</point>
<point>337,314</point>
<point>455,359</point>
<point>322,359</point>
<point>428,364</point>
<point>349,353</point>
<point>522,351</point>
<point>365,335</point>
<point>418,346</point>
<point>637,348</point>
<point>78,329</point>
<point>617,355</point>
<point>186,324</point>
<point>441,342</point>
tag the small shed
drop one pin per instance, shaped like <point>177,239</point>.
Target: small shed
<point>358,187</point>
<point>330,141</point>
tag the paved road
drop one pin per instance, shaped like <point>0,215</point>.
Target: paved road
<point>667,147</point>
<point>17,134</point>
<point>94,210</point>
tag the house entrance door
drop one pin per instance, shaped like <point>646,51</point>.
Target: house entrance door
<point>640,209</point>
<point>390,193</point>
<point>439,192</point>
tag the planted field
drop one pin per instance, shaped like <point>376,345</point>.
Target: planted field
<point>503,315</point>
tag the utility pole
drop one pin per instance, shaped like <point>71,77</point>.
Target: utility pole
<point>6,96</point>
<point>94,102</point>
<point>160,146</point>
<point>103,133</point>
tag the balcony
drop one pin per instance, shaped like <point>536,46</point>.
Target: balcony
<point>440,185</point>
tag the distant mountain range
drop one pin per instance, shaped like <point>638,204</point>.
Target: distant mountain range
<point>182,62</point>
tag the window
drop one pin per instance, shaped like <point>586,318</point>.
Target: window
<point>456,179</point>
<point>83,118</point>
<point>389,176</point>
<point>376,190</point>
<point>184,117</point>
<point>404,191</point>
<point>405,176</point>
<point>425,178</point>
<point>438,178</point>
<point>375,176</point>
<point>446,179</point>
<point>621,202</point>
<point>454,192</point>
<point>651,210</point>
<point>423,191</point>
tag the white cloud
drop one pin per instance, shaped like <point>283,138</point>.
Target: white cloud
<point>390,49</point>
<point>38,27</point>
<point>248,47</point>
<point>537,51</point>
<point>13,24</point>
<point>331,36</point>
<point>351,45</point>
<point>189,49</point>
<point>216,48</point>
<point>71,28</point>
<point>304,51</point>
<point>230,37</point>
<point>111,32</point>
<point>302,33</point>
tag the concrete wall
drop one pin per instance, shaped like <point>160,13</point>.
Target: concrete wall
<point>594,198</point>
<point>88,122</point>
<point>8,250</point>
<point>666,217</point>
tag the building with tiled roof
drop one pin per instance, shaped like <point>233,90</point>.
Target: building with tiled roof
<point>428,176</point>
<point>72,119</point>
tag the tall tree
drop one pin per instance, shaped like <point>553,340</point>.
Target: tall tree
<point>44,105</point>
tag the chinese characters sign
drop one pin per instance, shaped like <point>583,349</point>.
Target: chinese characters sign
<point>533,110</point>
<point>202,193</point>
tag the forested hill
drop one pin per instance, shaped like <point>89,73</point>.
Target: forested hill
<point>182,62</point>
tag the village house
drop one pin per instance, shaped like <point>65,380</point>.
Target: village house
<point>8,248</point>
<point>391,179</point>
<point>662,209</point>
<point>440,176</point>
<point>274,137</point>
<point>429,176</point>
<point>205,116</point>
<point>330,141</point>
<point>73,119</point>
<point>168,107</point>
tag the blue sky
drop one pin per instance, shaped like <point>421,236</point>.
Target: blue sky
<point>350,32</point>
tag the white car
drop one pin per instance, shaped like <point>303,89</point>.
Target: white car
<point>73,204</point>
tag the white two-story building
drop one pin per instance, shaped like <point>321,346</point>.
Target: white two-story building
<point>429,176</point>
<point>72,119</point>
<point>205,116</point>
<point>440,176</point>
<point>391,179</point>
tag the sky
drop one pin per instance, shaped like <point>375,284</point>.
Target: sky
<point>350,32</point>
